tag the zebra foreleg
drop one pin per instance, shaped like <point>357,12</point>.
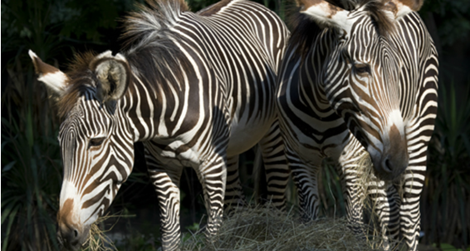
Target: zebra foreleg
<point>352,166</point>
<point>275,165</point>
<point>410,213</point>
<point>354,199</point>
<point>212,175</point>
<point>166,184</point>
<point>386,206</point>
<point>306,180</point>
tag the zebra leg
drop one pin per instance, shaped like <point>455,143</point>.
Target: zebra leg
<point>233,193</point>
<point>351,168</point>
<point>399,205</point>
<point>358,182</point>
<point>386,206</point>
<point>410,214</point>
<point>275,164</point>
<point>166,182</point>
<point>212,175</point>
<point>305,177</point>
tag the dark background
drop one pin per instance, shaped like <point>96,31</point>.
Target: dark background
<point>31,164</point>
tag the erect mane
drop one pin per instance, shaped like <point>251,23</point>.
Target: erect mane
<point>79,74</point>
<point>149,43</point>
<point>150,23</point>
<point>305,30</point>
<point>151,53</point>
<point>380,12</point>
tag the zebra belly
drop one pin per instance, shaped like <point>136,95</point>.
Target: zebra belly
<point>246,134</point>
<point>170,153</point>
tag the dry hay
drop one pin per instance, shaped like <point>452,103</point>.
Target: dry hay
<point>261,228</point>
<point>97,239</point>
<point>265,228</point>
<point>269,229</point>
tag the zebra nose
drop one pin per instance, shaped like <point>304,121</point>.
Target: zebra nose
<point>387,165</point>
<point>393,165</point>
<point>71,233</point>
<point>69,236</point>
<point>394,159</point>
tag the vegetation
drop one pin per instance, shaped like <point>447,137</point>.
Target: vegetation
<point>31,163</point>
<point>31,166</point>
<point>446,197</point>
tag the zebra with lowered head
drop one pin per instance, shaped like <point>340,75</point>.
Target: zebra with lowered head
<point>197,89</point>
<point>360,77</point>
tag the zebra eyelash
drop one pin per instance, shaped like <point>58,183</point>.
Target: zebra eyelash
<point>95,142</point>
<point>362,68</point>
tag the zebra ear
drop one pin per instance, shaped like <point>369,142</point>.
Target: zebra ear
<point>49,75</point>
<point>113,73</point>
<point>326,14</point>
<point>403,7</point>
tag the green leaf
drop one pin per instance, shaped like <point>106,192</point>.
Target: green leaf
<point>7,167</point>
<point>6,211</point>
<point>29,128</point>
<point>449,247</point>
<point>6,123</point>
<point>4,142</point>
<point>8,229</point>
<point>462,206</point>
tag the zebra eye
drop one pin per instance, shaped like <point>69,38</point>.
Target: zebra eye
<point>95,141</point>
<point>362,68</point>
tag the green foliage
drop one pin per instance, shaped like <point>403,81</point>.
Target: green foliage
<point>28,24</point>
<point>193,239</point>
<point>90,17</point>
<point>134,239</point>
<point>331,195</point>
<point>453,17</point>
<point>197,5</point>
<point>447,190</point>
<point>52,27</point>
<point>31,167</point>
<point>278,6</point>
<point>448,247</point>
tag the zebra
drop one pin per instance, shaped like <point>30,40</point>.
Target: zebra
<point>355,82</point>
<point>197,89</point>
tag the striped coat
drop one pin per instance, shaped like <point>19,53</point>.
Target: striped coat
<point>361,82</point>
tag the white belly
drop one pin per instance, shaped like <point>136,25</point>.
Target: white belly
<point>244,135</point>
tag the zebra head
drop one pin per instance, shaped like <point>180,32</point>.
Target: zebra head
<point>362,75</point>
<point>97,147</point>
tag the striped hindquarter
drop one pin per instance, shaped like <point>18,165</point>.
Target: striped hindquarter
<point>197,89</point>
<point>360,82</point>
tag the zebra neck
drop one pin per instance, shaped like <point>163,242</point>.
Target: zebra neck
<point>162,109</point>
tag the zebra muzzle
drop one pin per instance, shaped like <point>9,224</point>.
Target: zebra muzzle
<point>71,238</point>
<point>393,161</point>
<point>392,166</point>
<point>70,233</point>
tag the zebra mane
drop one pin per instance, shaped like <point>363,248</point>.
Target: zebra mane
<point>304,33</point>
<point>150,23</point>
<point>305,30</point>
<point>381,12</point>
<point>148,47</point>
<point>79,74</point>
